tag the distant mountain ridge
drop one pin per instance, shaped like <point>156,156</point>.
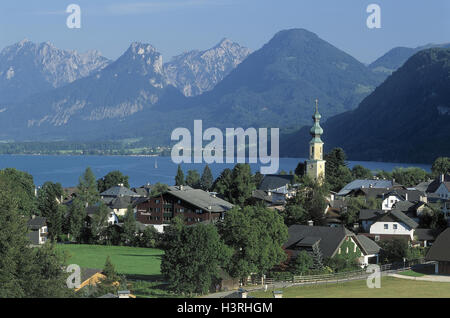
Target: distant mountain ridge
<point>28,68</point>
<point>196,72</point>
<point>396,57</point>
<point>406,119</point>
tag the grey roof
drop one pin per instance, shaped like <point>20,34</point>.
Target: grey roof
<point>404,206</point>
<point>123,202</point>
<point>264,196</point>
<point>369,214</point>
<point>90,210</point>
<point>330,237</point>
<point>37,222</point>
<point>365,183</point>
<point>118,191</point>
<point>200,199</point>
<point>440,250</point>
<point>404,194</point>
<point>275,181</point>
<point>423,186</point>
<point>33,236</point>
<point>434,185</point>
<point>368,244</point>
<point>404,218</point>
<point>425,234</point>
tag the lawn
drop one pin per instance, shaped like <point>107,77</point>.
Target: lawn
<point>390,288</point>
<point>134,262</point>
<point>412,273</point>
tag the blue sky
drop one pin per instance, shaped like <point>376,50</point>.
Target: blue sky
<point>174,26</point>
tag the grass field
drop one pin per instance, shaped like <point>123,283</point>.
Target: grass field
<point>412,273</point>
<point>135,262</point>
<point>390,288</point>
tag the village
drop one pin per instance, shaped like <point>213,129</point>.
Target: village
<point>317,224</point>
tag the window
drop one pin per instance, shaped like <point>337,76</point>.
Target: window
<point>377,238</point>
<point>386,226</point>
<point>157,201</point>
<point>395,226</point>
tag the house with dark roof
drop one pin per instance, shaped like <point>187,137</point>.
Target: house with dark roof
<point>112,217</point>
<point>434,185</point>
<point>381,224</point>
<point>358,184</point>
<point>331,241</point>
<point>38,230</point>
<point>425,237</point>
<point>194,205</point>
<point>278,183</point>
<point>118,191</point>
<point>440,253</point>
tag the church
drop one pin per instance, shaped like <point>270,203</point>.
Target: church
<point>315,166</point>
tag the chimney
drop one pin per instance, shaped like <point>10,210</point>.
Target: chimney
<point>33,216</point>
<point>442,177</point>
<point>120,184</point>
<point>423,198</point>
<point>181,187</point>
<point>406,196</point>
<point>310,223</point>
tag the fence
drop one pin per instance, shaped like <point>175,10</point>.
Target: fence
<point>334,277</point>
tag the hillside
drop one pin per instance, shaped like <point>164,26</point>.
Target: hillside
<point>406,119</point>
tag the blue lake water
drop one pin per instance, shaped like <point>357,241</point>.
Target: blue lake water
<point>141,170</point>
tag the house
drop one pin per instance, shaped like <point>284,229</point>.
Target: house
<point>278,184</point>
<point>331,241</point>
<point>443,191</point>
<point>143,191</point>
<point>38,230</point>
<point>268,198</point>
<point>434,185</point>
<point>367,184</point>
<point>112,217</point>
<point>425,237</point>
<point>387,224</point>
<point>440,253</point>
<point>115,192</point>
<point>194,205</point>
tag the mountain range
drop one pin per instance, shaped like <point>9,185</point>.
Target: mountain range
<point>86,97</point>
<point>406,119</point>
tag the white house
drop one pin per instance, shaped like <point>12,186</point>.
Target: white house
<point>38,230</point>
<point>444,190</point>
<point>390,199</point>
<point>387,223</point>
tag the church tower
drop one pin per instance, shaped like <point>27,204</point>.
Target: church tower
<point>315,166</point>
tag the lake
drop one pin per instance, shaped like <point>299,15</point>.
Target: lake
<point>141,170</point>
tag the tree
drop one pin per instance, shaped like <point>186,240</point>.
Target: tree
<point>110,271</point>
<point>300,170</point>
<point>179,179</point>
<point>99,221</point>
<point>441,166</point>
<point>309,203</point>
<point>409,177</point>
<point>317,258</point>
<point>193,179</point>
<point>222,185</point>
<point>158,189</point>
<point>302,263</point>
<point>112,179</point>
<point>242,185</point>
<point>48,203</point>
<point>337,174</point>
<point>393,250</point>
<point>191,267</point>
<point>207,179</point>
<point>360,172</point>
<point>77,217</point>
<point>129,227</point>
<point>24,271</point>
<point>256,235</point>
<point>87,188</point>
<point>354,205</point>
<point>22,186</point>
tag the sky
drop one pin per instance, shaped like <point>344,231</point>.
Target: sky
<point>176,26</point>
